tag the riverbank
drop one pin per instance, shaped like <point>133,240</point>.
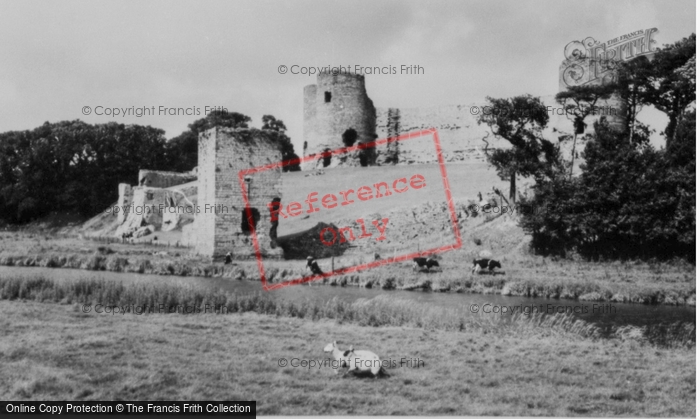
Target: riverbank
<point>139,297</point>
<point>529,276</point>
<point>604,282</point>
<point>56,351</point>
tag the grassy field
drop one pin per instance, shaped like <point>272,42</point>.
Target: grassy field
<point>57,352</point>
<point>525,274</point>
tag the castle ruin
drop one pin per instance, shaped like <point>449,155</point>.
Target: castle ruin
<point>208,205</point>
<point>222,223</point>
<point>337,107</point>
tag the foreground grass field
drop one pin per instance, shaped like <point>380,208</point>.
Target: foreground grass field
<point>53,352</point>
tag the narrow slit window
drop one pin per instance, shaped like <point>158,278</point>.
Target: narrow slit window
<point>327,97</point>
<point>248,224</point>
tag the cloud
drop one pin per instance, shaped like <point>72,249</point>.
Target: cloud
<point>66,55</point>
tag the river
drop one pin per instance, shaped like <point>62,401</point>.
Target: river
<point>602,314</point>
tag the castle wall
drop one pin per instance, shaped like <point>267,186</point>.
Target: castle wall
<point>332,106</point>
<point>148,206</point>
<point>459,133</point>
<point>160,179</point>
<point>309,113</point>
<point>203,232</point>
<point>218,225</point>
<point>461,137</point>
<point>124,201</point>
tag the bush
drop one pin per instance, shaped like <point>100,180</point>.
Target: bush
<point>630,201</point>
<point>388,283</point>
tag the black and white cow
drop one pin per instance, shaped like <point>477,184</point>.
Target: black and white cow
<point>420,263</point>
<point>313,266</point>
<point>481,264</point>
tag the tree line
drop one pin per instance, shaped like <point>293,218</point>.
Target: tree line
<point>630,201</point>
<point>76,167</point>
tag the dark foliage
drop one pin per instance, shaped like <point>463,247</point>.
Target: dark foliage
<point>75,167</point>
<point>520,121</point>
<point>72,166</point>
<point>270,123</point>
<point>630,201</point>
<point>667,82</point>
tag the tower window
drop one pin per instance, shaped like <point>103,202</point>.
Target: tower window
<point>349,137</point>
<point>327,96</point>
<point>249,224</point>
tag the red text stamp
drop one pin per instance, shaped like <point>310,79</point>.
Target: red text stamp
<point>401,186</point>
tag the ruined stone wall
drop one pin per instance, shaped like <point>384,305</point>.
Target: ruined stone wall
<point>460,134</point>
<point>159,179</point>
<point>333,105</point>
<point>164,208</point>
<point>222,154</point>
<point>148,206</point>
<point>202,234</point>
<point>461,137</point>
<point>124,201</point>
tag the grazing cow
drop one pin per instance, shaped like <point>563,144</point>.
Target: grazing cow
<point>420,263</point>
<point>313,265</point>
<point>339,356</point>
<point>480,264</point>
<point>364,362</point>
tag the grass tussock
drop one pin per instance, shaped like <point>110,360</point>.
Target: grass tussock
<point>376,312</point>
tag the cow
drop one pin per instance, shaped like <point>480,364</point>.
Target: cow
<point>420,263</point>
<point>480,264</point>
<point>313,265</point>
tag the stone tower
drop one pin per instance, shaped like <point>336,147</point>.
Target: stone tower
<point>336,105</point>
<point>220,224</point>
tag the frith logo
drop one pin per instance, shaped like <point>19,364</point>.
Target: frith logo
<point>590,61</point>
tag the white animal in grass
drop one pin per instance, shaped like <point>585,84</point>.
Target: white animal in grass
<point>364,362</point>
<point>339,356</point>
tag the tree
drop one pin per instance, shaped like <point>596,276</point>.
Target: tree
<point>284,143</point>
<point>631,86</point>
<point>182,151</point>
<point>71,166</point>
<point>220,119</point>
<point>270,122</point>
<point>630,201</point>
<point>667,82</point>
<point>520,121</point>
<point>579,102</point>
<point>681,180</point>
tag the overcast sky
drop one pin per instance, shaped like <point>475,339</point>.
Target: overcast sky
<point>57,57</point>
